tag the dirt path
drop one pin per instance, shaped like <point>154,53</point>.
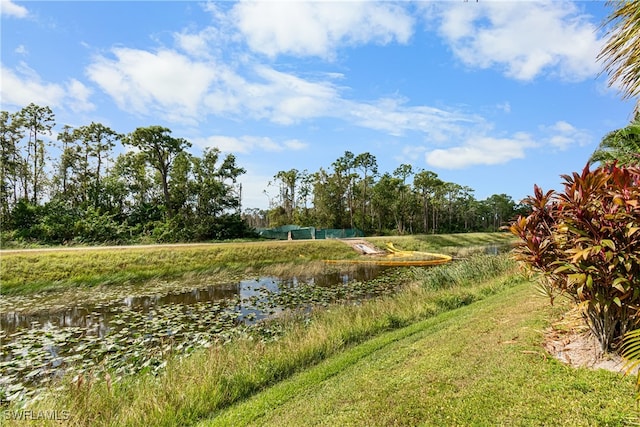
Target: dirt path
<point>98,248</point>
<point>358,245</point>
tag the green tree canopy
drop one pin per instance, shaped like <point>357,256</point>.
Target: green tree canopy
<point>160,150</point>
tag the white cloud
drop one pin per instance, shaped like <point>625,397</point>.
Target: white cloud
<point>187,90</point>
<point>285,98</point>
<point>319,28</point>
<point>524,39</point>
<point>20,90</point>
<point>458,21</point>
<point>24,86</point>
<point>561,135</point>
<point>194,44</point>
<point>208,74</point>
<point>184,89</point>
<point>78,95</point>
<point>144,82</point>
<point>295,144</point>
<point>253,190</point>
<point>483,150</point>
<point>246,144</point>
<point>270,94</point>
<point>21,50</point>
<point>411,154</point>
<point>393,116</point>
<point>505,107</point>
<point>562,126</point>
<point>210,42</point>
<point>9,8</point>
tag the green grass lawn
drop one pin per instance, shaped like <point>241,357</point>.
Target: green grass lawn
<point>482,364</point>
<point>446,243</point>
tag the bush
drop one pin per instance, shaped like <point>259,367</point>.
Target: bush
<point>51,223</point>
<point>224,227</point>
<point>97,227</point>
<point>176,229</point>
<point>188,228</point>
<point>23,218</point>
<point>585,243</point>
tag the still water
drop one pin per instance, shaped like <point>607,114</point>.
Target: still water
<point>137,333</point>
<point>245,297</point>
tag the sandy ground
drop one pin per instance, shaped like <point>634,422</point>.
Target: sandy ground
<point>582,350</point>
<point>363,247</point>
<point>570,341</point>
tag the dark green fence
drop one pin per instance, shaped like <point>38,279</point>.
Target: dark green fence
<point>295,232</point>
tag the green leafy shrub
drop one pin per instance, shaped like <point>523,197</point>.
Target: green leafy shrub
<point>188,228</point>
<point>95,226</point>
<point>24,217</point>
<point>585,243</point>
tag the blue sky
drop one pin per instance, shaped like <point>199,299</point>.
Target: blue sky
<point>494,95</point>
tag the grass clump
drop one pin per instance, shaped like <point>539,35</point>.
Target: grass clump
<point>475,269</point>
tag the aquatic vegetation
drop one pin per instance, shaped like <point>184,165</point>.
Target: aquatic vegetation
<point>112,330</point>
<point>123,339</point>
<point>191,388</point>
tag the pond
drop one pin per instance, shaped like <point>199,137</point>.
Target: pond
<point>135,333</point>
<point>128,329</point>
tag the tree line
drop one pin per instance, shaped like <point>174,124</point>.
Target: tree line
<point>73,188</point>
<point>352,193</point>
<point>154,189</point>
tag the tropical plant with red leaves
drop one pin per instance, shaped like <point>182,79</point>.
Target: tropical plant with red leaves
<point>584,242</point>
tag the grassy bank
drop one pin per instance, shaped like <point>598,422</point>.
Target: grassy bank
<point>479,365</point>
<point>27,272</point>
<point>208,381</point>
<point>31,271</point>
<point>451,244</point>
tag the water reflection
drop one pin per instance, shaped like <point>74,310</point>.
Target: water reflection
<point>246,295</point>
<point>210,293</point>
<point>86,317</point>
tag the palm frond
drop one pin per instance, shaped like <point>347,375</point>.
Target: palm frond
<point>631,353</point>
<point>621,52</point>
<point>621,146</point>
